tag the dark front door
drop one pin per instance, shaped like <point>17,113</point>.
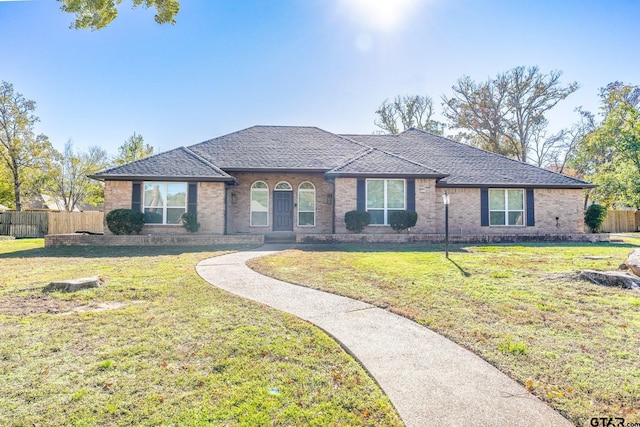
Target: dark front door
<point>282,211</point>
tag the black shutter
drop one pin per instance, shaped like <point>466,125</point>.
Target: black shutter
<point>136,196</point>
<point>192,198</point>
<point>531,213</point>
<point>411,194</point>
<point>484,207</point>
<point>361,196</point>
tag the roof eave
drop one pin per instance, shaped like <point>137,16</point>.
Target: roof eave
<point>511,185</point>
<point>161,178</point>
<point>334,174</point>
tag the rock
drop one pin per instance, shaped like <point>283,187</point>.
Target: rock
<point>74,285</point>
<point>611,278</point>
<point>633,261</point>
<point>623,266</point>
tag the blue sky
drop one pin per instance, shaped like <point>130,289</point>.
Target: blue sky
<point>230,64</point>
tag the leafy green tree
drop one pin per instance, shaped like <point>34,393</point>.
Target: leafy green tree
<point>133,149</point>
<point>69,181</point>
<point>408,112</point>
<point>506,115</point>
<point>22,152</point>
<point>610,154</point>
<point>594,216</point>
<point>97,14</point>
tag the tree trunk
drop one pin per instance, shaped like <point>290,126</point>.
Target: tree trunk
<point>16,186</point>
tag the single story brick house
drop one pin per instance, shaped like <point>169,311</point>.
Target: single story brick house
<point>302,180</point>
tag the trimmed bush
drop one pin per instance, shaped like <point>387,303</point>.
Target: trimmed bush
<point>402,220</point>
<point>594,217</point>
<point>125,221</point>
<point>190,222</point>
<point>357,220</point>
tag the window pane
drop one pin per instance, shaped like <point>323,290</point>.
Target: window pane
<point>259,184</point>
<point>377,217</point>
<point>375,193</point>
<point>395,194</point>
<point>515,200</point>
<point>306,218</point>
<point>496,200</point>
<point>174,214</point>
<point>306,186</point>
<point>259,201</point>
<point>258,218</point>
<point>515,218</point>
<point>306,201</point>
<point>176,194</point>
<point>496,218</point>
<point>154,195</point>
<point>283,186</point>
<point>153,216</point>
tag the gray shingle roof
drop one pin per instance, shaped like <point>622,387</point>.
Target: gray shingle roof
<point>378,162</point>
<point>179,163</point>
<point>466,165</point>
<point>300,148</point>
<point>279,147</point>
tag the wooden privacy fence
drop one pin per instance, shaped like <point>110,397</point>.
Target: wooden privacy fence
<point>24,224</point>
<point>621,222</point>
<point>70,222</point>
<point>38,224</point>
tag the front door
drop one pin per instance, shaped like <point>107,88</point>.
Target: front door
<point>282,211</point>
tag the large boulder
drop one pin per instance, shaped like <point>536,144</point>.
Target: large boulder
<point>633,261</point>
<point>74,284</point>
<point>611,278</point>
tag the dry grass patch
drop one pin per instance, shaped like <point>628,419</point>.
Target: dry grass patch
<point>574,344</point>
<point>175,351</point>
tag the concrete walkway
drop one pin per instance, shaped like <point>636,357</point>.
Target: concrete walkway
<point>430,380</point>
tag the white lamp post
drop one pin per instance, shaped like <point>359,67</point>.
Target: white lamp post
<point>446,200</point>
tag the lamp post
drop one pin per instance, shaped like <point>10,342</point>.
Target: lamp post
<point>446,200</point>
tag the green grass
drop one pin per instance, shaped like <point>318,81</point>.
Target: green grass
<point>179,352</point>
<point>574,344</point>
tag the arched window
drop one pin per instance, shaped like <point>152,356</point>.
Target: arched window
<point>283,186</point>
<point>259,204</point>
<point>306,205</point>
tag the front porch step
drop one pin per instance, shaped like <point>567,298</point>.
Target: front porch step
<point>280,237</point>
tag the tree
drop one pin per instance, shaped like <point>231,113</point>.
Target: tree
<point>406,112</point>
<point>20,150</point>
<point>133,149</point>
<point>506,115</point>
<point>609,155</point>
<point>97,14</point>
<point>69,179</point>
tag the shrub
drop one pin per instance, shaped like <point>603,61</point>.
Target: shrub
<point>403,220</point>
<point>190,222</point>
<point>125,221</point>
<point>594,217</point>
<point>357,220</point>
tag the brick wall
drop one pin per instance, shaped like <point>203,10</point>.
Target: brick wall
<point>117,195</point>
<point>464,212</point>
<point>239,211</point>
<point>55,240</point>
<point>346,192</point>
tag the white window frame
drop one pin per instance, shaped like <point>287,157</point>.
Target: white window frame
<point>165,205</point>
<point>307,190</point>
<point>386,210</point>
<point>507,209</point>
<point>251,211</point>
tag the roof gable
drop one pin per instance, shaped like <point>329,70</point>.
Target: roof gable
<point>179,163</point>
<point>378,162</point>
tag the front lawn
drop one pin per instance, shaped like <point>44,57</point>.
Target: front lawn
<point>159,346</point>
<point>574,344</point>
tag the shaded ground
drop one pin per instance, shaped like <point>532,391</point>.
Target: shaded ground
<point>36,304</point>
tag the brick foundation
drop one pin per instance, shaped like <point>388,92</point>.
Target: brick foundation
<point>57,240</point>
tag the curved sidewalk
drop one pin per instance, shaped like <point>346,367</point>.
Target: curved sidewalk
<point>429,379</point>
